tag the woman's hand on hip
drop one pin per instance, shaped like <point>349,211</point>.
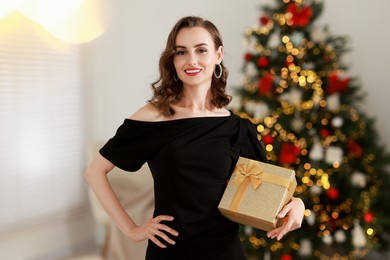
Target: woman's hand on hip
<point>153,230</point>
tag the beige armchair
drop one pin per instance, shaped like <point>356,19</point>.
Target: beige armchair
<point>135,192</point>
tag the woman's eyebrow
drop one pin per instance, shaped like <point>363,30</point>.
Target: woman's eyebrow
<point>197,45</point>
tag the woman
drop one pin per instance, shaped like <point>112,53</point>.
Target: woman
<point>191,143</point>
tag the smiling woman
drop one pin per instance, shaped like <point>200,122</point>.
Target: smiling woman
<point>191,143</point>
<point>196,64</point>
<point>193,52</point>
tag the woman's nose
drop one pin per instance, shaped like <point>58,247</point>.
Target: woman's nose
<point>192,59</point>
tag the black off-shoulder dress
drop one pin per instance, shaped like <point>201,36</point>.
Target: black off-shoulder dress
<point>191,160</point>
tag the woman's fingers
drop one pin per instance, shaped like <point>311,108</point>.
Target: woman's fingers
<point>168,229</point>
<point>292,215</point>
<point>289,225</point>
<point>162,218</point>
<point>156,241</point>
<point>155,227</point>
<point>164,236</point>
<point>279,232</point>
<point>160,226</point>
<point>284,211</point>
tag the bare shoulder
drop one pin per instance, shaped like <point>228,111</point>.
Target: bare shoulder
<point>223,112</point>
<point>147,113</point>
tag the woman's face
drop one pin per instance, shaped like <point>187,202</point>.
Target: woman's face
<point>195,57</point>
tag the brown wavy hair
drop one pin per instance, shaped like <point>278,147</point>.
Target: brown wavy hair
<point>166,90</point>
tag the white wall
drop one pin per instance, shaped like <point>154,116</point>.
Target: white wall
<point>121,64</point>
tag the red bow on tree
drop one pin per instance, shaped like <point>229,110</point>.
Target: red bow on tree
<point>262,62</point>
<point>335,84</point>
<point>268,139</point>
<point>300,15</point>
<point>265,84</point>
<point>354,149</point>
<point>333,193</point>
<point>288,153</point>
<point>368,217</point>
<point>248,56</point>
<point>286,257</point>
<point>264,20</point>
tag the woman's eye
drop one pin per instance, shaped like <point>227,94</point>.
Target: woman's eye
<point>180,52</point>
<point>202,51</point>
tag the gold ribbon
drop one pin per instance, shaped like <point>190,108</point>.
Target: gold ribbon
<point>245,174</point>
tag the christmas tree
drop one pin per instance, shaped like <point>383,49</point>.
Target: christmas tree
<point>298,93</point>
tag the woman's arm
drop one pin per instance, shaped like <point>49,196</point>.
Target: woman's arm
<point>96,176</point>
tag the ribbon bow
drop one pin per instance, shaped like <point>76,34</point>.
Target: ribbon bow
<point>251,170</point>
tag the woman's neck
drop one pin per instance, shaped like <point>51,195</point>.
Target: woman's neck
<point>196,98</point>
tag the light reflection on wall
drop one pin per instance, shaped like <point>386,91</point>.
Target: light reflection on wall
<point>70,21</point>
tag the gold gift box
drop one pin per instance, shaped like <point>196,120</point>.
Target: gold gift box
<point>256,193</point>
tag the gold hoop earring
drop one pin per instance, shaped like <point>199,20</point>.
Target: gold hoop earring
<point>219,75</point>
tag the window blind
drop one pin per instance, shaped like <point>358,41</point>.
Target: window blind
<point>41,129</point>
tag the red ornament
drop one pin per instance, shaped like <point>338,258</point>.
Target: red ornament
<point>324,133</point>
<point>300,15</point>
<point>368,217</point>
<point>354,149</point>
<point>288,153</point>
<point>262,62</point>
<point>333,193</point>
<point>248,56</point>
<point>286,257</point>
<point>268,139</point>
<point>326,59</point>
<point>265,84</point>
<point>264,20</point>
<point>335,84</point>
